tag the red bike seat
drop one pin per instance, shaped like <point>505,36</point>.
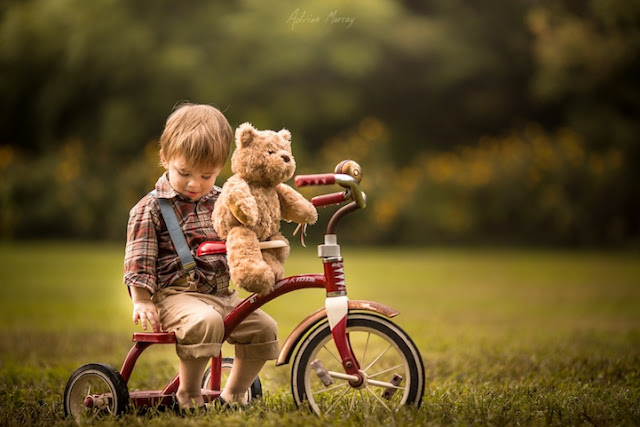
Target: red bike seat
<point>209,248</point>
<point>220,248</point>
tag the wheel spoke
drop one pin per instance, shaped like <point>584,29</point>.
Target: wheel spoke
<point>384,405</point>
<point>332,355</point>
<point>386,385</point>
<point>338,399</point>
<point>383,384</point>
<point>330,389</point>
<point>353,401</point>
<point>377,358</point>
<point>366,346</point>
<point>386,370</point>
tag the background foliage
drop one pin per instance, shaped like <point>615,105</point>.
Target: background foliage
<point>492,121</point>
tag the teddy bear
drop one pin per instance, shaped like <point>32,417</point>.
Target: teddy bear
<point>252,203</point>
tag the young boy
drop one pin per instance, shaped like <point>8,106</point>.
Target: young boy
<point>194,146</point>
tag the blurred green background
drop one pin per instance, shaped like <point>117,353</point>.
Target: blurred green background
<point>488,122</point>
<point>475,122</point>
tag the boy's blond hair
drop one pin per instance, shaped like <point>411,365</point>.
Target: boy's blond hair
<point>200,134</point>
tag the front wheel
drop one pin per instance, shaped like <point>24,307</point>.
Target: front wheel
<point>389,361</point>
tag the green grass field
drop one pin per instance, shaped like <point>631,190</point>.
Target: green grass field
<point>508,336</point>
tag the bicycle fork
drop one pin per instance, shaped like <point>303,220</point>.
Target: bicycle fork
<point>337,306</point>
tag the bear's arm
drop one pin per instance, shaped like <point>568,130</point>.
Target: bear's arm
<point>294,207</point>
<point>242,203</point>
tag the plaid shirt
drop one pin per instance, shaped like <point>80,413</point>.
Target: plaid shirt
<point>151,261</point>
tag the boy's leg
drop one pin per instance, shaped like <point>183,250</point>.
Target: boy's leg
<point>199,330</point>
<point>243,373</point>
<point>189,391</point>
<point>256,341</point>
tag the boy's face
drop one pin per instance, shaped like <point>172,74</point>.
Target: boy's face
<point>191,182</point>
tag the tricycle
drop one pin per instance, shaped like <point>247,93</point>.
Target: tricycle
<point>347,356</point>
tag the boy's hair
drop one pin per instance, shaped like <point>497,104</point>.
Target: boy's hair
<point>198,133</point>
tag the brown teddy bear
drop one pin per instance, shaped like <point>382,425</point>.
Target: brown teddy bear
<point>252,203</point>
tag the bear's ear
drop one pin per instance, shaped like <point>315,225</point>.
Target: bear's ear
<point>245,134</point>
<point>284,133</point>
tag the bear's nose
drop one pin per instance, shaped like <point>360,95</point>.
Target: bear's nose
<point>286,158</point>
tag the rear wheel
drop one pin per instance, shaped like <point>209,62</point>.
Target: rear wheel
<point>95,390</point>
<point>389,361</point>
<point>253,392</point>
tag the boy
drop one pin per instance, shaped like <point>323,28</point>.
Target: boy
<point>194,146</point>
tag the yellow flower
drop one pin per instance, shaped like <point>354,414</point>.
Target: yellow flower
<point>6,156</point>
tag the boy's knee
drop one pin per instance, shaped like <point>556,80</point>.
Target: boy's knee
<point>212,322</point>
<point>205,326</point>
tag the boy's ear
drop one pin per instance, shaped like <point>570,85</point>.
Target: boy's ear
<point>245,134</point>
<point>284,133</point>
<point>163,160</point>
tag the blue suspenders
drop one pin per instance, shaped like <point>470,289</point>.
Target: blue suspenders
<point>177,237</point>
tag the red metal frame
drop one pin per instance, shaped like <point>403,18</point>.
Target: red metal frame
<point>334,274</point>
<point>231,321</point>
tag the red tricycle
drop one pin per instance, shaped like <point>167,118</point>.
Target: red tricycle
<point>347,356</point>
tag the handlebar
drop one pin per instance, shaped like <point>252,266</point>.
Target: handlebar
<point>347,174</point>
<point>316,179</point>
<point>329,199</point>
<point>347,181</point>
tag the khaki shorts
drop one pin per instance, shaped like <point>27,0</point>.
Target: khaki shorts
<point>197,321</point>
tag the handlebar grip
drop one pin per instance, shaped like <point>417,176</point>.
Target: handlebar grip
<point>329,199</point>
<point>318,179</point>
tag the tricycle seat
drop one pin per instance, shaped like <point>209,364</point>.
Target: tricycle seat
<point>209,248</point>
<point>220,247</point>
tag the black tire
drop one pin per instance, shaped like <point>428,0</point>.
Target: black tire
<point>254,391</point>
<point>384,351</point>
<point>100,383</point>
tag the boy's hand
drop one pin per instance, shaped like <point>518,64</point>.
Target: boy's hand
<point>145,311</point>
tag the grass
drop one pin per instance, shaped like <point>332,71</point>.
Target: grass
<point>508,336</point>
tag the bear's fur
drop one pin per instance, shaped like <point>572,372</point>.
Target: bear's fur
<point>254,201</point>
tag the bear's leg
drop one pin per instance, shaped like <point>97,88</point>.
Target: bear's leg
<point>247,268</point>
<point>275,257</point>
<point>281,254</point>
<point>274,264</point>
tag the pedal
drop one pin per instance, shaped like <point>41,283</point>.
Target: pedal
<point>322,372</point>
<point>390,391</point>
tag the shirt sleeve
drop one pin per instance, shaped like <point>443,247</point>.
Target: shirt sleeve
<point>141,252</point>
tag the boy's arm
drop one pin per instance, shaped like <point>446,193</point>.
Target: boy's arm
<point>141,253</point>
<point>141,250</point>
<point>144,310</point>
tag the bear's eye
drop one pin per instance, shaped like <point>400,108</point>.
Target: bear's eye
<point>271,152</point>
